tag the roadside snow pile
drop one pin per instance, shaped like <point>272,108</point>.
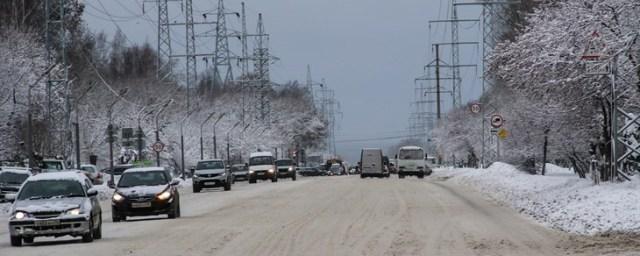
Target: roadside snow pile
<point>560,199</point>
<point>4,209</point>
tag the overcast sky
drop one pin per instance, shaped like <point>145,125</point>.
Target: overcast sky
<point>369,51</point>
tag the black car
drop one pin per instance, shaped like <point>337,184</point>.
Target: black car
<point>11,178</point>
<point>144,192</point>
<point>118,169</point>
<point>286,168</point>
<point>310,171</point>
<point>240,171</point>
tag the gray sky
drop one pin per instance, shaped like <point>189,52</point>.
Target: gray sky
<point>369,51</point>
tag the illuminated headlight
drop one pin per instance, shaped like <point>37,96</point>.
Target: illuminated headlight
<point>20,215</point>
<point>251,171</point>
<point>164,195</point>
<point>117,197</point>
<point>271,171</point>
<point>290,168</point>
<point>223,174</point>
<point>75,211</point>
<point>195,175</point>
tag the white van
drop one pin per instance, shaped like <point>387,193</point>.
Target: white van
<point>411,160</point>
<point>372,163</point>
<point>262,165</point>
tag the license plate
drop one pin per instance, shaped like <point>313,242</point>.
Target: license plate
<point>47,222</point>
<point>141,205</point>
<point>209,183</point>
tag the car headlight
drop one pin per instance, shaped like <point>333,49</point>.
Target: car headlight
<point>290,168</point>
<point>20,215</point>
<point>75,211</point>
<point>117,197</point>
<point>195,175</point>
<point>271,171</point>
<point>223,174</point>
<point>164,195</point>
<point>250,171</point>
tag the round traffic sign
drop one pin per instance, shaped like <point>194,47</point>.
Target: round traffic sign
<point>475,108</point>
<point>158,147</point>
<point>497,121</point>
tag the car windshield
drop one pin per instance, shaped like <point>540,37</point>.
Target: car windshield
<point>238,168</point>
<point>261,160</point>
<point>43,189</point>
<point>118,170</point>
<point>411,154</point>
<point>207,165</point>
<point>12,178</point>
<point>284,162</point>
<point>52,165</point>
<point>133,179</point>
<point>335,168</point>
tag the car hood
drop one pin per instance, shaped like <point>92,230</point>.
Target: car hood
<point>141,190</point>
<point>49,205</point>
<point>260,167</point>
<point>209,171</point>
<point>11,187</point>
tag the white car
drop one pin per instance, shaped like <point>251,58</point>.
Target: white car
<point>262,166</point>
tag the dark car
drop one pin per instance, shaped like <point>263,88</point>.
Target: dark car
<point>11,178</point>
<point>286,168</point>
<point>118,169</point>
<point>309,171</point>
<point>144,192</point>
<point>55,204</point>
<point>240,171</point>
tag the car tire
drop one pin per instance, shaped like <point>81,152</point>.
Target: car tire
<point>362,176</point>
<point>421,176</point>
<point>97,234</point>
<point>274,179</point>
<point>252,180</point>
<point>401,176</point>
<point>293,177</point>
<point>174,212</point>
<point>227,186</point>
<point>16,241</point>
<point>27,240</point>
<point>196,188</point>
<point>115,217</point>
<point>88,237</point>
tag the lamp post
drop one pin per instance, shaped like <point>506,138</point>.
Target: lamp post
<point>120,94</point>
<point>201,140</point>
<point>228,144</point>
<point>158,128</point>
<point>297,148</point>
<point>215,142</point>
<point>140,133</point>
<point>182,139</point>
<point>242,138</point>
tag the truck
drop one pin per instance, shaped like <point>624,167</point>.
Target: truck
<point>411,160</point>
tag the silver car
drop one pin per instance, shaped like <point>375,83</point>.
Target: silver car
<point>55,204</point>
<point>212,173</point>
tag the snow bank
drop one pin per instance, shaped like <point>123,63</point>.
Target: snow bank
<point>559,200</point>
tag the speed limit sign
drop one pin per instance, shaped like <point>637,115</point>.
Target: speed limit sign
<point>497,121</point>
<point>475,108</point>
<point>158,147</point>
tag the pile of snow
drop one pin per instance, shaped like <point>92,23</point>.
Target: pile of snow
<point>4,209</point>
<point>560,199</point>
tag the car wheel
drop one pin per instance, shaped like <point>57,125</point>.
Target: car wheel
<point>196,188</point>
<point>88,237</point>
<point>274,179</point>
<point>421,176</point>
<point>362,176</point>
<point>227,186</point>
<point>293,177</point>
<point>27,240</point>
<point>179,211</point>
<point>401,176</point>
<point>16,241</point>
<point>97,234</point>
<point>173,213</point>
<point>252,180</point>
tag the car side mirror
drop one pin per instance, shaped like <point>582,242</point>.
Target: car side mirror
<point>111,184</point>
<point>175,182</point>
<point>396,156</point>
<point>10,197</point>
<point>92,192</point>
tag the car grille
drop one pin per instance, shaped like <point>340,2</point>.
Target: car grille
<point>209,175</point>
<point>46,215</point>
<point>141,199</point>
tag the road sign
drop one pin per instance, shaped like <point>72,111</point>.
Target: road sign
<point>475,108</point>
<point>158,147</point>
<point>503,133</point>
<point>497,121</point>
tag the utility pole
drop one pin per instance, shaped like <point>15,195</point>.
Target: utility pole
<point>57,116</point>
<point>192,73</point>
<point>438,108</point>
<point>222,55</point>
<point>163,65</point>
<point>262,62</point>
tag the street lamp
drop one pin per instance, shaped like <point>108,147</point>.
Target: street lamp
<point>119,96</point>
<point>158,128</point>
<point>215,142</point>
<point>228,145</point>
<point>297,148</point>
<point>201,140</point>
<point>182,138</point>
<point>140,133</point>
<point>242,138</point>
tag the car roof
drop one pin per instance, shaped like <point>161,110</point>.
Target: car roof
<point>18,170</point>
<point>411,148</point>
<point>211,160</point>
<point>284,159</point>
<point>371,149</point>
<point>257,154</point>
<point>65,175</point>
<point>145,169</point>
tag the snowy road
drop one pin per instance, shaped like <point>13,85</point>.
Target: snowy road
<point>321,216</point>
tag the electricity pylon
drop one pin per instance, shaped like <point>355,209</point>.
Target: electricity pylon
<point>222,55</point>
<point>262,60</point>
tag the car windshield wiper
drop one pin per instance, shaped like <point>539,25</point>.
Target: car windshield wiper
<point>38,197</point>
